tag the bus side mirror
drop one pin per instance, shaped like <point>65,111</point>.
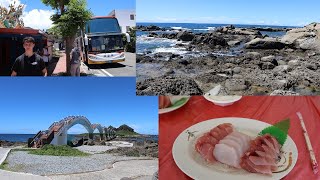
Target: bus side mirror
<point>128,37</point>
<point>86,41</point>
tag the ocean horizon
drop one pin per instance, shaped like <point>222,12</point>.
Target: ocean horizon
<point>25,137</point>
<point>218,24</point>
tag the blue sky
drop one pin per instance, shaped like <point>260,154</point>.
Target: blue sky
<point>37,15</point>
<point>98,7</point>
<point>267,12</point>
<point>28,105</point>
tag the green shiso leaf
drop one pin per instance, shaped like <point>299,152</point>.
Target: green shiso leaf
<point>284,125</point>
<point>278,130</point>
<point>179,102</point>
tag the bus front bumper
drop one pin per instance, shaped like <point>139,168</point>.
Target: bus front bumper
<point>105,58</point>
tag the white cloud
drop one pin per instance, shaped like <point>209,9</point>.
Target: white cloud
<point>37,19</point>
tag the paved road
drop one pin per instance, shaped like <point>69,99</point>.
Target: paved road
<point>126,68</point>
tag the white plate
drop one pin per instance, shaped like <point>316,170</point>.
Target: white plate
<point>189,161</point>
<point>169,109</point>
<point>222,102</point>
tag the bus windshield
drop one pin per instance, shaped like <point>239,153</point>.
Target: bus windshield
<point>103,25</point>
<point>104,44</point>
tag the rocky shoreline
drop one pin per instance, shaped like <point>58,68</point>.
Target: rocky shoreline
<point>241,60</point>
<point>5,144</point>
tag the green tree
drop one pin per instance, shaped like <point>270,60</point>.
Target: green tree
<point>71,16</point>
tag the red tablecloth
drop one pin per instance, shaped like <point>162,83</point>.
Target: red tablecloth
<point>264,108</point>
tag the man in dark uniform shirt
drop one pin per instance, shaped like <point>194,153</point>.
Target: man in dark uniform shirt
<point>29,63</point>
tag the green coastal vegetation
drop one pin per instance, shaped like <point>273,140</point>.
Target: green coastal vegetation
<point>122,131</point>
<point>63,150</point>
<point>4,165</point>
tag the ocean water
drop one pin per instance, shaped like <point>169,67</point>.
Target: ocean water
<point>155,45</point>
<point>71,137</point>
<point>16,137</point>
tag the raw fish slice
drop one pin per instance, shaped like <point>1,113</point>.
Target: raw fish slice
<point>206,138</point>
<point>164,102</point>
<point>234,144</point>
<point>220,131</point>
<point>206,152</point>
<point>269,150</point>
<point>215,132</point>
<point>263,169</point>
<point>224,125</point>
<point>276,144</point>
<point>261,156</point>
<point>212,138</point>
<point>264,154</point>
<point>227,155</point>
<point>243,145</point>
<point>223,132</point>
<point>261,161</point>
<point>270,145</point>
<point>244,138</point>
<point>227,127</point>
<point>244,165</point>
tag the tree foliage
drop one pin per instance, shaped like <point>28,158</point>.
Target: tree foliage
<point>56,4</point>
<point>74,16</point>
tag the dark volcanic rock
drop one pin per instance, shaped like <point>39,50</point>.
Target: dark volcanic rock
<point>143,58</point>
<point>265,43</point>
<point>185,36</point>
<point>168,35</point>
<point>210,78</point>
<point>150,28</point>
<point>269,29</point>
<point>168,85</point>
<point>4,143</point>
<point>235,84</point>
<point>209,39</point>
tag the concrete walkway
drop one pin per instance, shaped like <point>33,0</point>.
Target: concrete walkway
<point>61,65</point>
<point>3,154</point>
<point>133,169</point>
<point>8,175</point>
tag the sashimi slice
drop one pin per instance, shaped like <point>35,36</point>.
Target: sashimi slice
<point>206,138</point>
<point>264,154</point>
<point>227,155</point>
<point>234,144</point>
<point>270,145</point>
<point>275,144</point>
<point>268,150</point>
<point>263,169</point>
<point>261,161</point>
<point>206,152</point>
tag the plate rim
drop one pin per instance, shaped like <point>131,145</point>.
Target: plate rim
<point>221,102</point>
<point>166,110</point>
<point>174,147</point>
